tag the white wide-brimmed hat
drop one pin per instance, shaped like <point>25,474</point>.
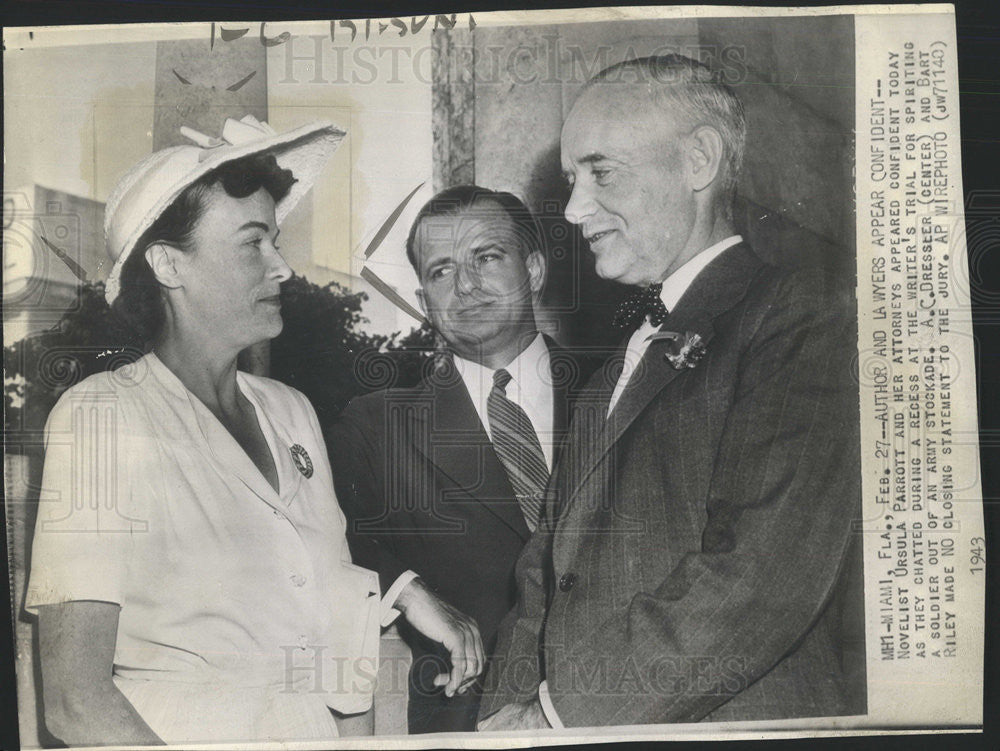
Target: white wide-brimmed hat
<point>150,186</point>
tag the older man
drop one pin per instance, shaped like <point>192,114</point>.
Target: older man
<point>695,562</point>
<point>442,483</point>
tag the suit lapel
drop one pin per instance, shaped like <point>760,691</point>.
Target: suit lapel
<point>559,360</point>
<point>453,439</point>
<point>562,403</point>
<point>654,372</point>
<point>584,441</point>
<point>719,287</point>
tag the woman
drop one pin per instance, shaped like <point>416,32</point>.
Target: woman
<point>189,569</point>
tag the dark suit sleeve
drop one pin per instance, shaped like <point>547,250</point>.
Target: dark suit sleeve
<point>514,672</point>
<point>358,463</point>
<point>782,499</point>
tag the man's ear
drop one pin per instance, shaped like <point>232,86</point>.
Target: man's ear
<point>162,259</point>
<point>537,268</point>
<point>705,154</point>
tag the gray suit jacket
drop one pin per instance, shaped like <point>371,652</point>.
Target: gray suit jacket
<point>701,558</point>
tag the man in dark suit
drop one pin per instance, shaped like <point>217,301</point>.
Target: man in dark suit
<point>697,559</point>
<point>442,484</point>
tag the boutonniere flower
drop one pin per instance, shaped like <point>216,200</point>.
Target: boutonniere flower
<point>683,350</point>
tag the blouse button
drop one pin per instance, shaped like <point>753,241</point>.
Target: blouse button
<point>298,580</point>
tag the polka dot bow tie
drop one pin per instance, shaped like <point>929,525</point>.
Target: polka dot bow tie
<point>640,303</point>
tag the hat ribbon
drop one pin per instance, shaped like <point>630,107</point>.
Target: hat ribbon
<point>234,133</point>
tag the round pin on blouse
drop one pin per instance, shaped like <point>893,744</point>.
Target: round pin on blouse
<point>302,461</point>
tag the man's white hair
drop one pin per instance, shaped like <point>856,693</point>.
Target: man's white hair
<point>691,93</point>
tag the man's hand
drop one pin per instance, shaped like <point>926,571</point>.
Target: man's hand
<point>440,622</point>
<point>525,715</point>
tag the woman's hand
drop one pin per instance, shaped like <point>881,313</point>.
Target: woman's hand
<point>83,707</point>
<point>440,622</point>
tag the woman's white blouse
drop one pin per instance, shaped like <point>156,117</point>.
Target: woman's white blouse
<point>240,610</point>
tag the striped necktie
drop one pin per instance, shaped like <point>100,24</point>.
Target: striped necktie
<point>518,448</point>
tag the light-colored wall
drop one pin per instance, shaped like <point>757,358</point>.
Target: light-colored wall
<point>78,114</point>
<point>75,118</point>
<point>379,92</point>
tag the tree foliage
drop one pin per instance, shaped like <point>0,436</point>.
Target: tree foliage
<point>88,339</point>
<point>321,352</point>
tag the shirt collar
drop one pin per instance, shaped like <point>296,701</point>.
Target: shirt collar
<point>526,369</point>
<point>675,285</point>
<point>224,447</point>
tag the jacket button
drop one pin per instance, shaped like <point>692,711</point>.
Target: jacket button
<point>566,582</point>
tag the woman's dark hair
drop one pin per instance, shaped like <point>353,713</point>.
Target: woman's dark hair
<point>139,301</point>
<point>459,198</point>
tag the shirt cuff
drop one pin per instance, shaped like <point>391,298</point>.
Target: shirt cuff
<point>389,613</point>
<point>547,709</point>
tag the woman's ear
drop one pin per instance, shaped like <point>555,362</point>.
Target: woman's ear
<point>162,259</point>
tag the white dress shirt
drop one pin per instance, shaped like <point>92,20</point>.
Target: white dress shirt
<point>530,388</point>
<point>674,288</point>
